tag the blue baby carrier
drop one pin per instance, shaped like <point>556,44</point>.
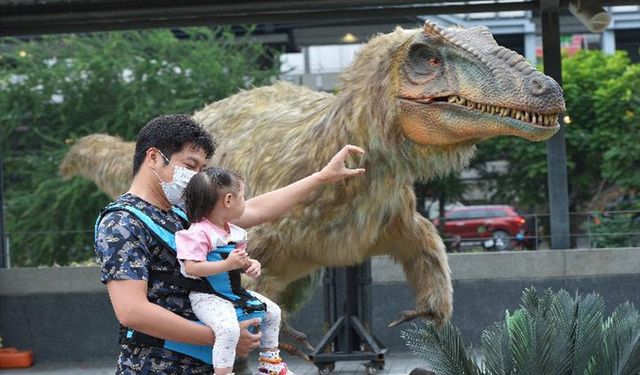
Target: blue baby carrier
<point>224,285</point>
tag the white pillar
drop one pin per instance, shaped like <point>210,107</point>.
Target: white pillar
<point>608,40</point>
<point>530,47</point>
<point>307,60</point>
<point>530,40</point>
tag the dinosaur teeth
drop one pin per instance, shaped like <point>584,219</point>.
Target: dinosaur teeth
<point>526,116</point>
<point>519,115</point>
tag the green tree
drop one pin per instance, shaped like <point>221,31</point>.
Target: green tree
<point>56,89</point>
<point>602,93</point>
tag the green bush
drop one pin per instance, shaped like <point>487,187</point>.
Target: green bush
<point>615,229</point>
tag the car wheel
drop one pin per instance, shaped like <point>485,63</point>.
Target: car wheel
<point>502,240</point>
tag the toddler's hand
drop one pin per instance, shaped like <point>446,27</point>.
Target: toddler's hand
<point>237,259</point>
<point>253,270</point>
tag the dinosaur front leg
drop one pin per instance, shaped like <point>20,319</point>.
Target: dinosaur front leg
<point>424,259</point>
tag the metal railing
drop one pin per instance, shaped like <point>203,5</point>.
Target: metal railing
<point>596,229</point>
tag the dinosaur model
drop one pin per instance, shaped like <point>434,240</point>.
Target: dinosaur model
<point>416,100</point>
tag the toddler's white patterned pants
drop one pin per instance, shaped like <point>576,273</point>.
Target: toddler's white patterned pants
<point>220,315</point>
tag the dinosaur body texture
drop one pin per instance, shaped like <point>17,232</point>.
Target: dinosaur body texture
<point>417,101</point>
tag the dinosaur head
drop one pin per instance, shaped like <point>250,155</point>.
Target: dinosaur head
<point>458,85</point>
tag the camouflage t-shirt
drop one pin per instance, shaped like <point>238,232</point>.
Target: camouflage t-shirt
<point>126,251</point>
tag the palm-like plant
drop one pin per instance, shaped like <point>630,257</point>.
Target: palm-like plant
<point>550,334</point>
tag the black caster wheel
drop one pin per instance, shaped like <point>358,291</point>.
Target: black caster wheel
<point>326,368</point>
<point>371,369</point>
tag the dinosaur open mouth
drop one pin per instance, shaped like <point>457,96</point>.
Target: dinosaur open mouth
<point>538,119</point>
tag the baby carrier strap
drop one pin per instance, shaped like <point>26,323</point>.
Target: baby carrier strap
<point>168,240</point>
<point>227,285</point>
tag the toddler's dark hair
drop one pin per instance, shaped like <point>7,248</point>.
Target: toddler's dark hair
<point>206,187</point>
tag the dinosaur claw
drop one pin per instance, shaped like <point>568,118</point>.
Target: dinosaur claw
<point>409,315</point>
<point>298,336</point>
<point>404,316</point>
<point>294,351</point>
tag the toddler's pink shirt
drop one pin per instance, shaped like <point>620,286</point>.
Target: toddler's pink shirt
<point>201,237</point>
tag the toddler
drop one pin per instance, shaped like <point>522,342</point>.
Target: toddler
<point>214,198</point>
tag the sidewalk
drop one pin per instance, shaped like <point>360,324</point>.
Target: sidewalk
<point>395,364</point>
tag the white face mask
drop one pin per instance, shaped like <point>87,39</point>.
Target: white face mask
<point>173,190</point>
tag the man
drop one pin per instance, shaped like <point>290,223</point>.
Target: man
<point>169,150</point>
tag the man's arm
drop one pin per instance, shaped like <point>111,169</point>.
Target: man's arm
<point>133,310</point>
<point>276,203</point>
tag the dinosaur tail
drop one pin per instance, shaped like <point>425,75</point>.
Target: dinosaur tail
<point>103,159</point>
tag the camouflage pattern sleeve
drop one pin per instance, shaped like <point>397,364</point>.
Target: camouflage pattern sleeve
<point>121,247</point>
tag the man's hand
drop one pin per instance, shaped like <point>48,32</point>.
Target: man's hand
<point>253,269</point>
<point>248,341</point>
<point>336,169</point>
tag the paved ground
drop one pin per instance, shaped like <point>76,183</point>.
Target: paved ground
<point>395,364</point>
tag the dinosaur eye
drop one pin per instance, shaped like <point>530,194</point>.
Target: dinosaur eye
<point>434,61</point>
<point>423,60</point>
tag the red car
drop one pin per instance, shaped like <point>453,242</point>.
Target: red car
<point>477,223</point>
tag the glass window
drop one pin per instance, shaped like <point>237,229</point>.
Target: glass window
<point>497,212</point>
<point>456,215</point>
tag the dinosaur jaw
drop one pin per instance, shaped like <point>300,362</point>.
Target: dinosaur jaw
<point>451,119</point>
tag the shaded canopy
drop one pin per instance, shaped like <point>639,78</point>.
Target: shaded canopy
<point>32,17</point>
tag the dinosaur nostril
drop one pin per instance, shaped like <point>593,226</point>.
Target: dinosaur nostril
<point>538,85</point>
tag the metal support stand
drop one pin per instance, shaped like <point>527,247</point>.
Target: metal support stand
<point>347,301</point>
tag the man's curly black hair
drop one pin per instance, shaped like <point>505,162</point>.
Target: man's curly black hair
<point>169,134</point>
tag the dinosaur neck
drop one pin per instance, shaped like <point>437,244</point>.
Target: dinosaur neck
<point>351,120</point>
<point>358,118</point>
